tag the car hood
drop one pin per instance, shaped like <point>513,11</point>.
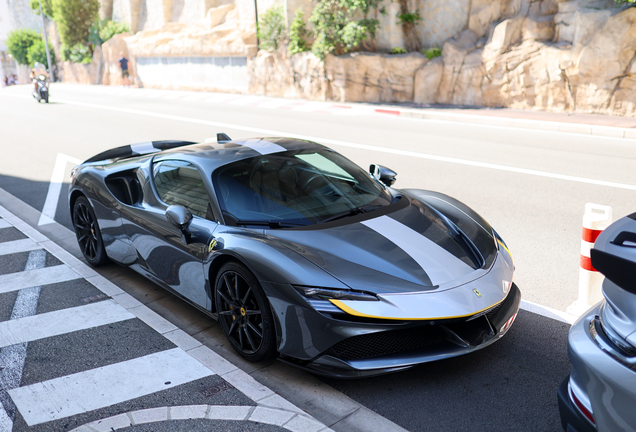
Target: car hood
<point>410,246</point>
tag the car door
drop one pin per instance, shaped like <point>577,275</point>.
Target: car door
<point>161,246</point>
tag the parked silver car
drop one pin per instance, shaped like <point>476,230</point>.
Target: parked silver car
<point>600,393</point>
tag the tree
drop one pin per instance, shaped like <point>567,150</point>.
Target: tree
<point>18,43</point>
<point>298,35</point>
<point>37,54</point>
<point>271,28</point>
<point>74,19</point>
<point>47,7</point>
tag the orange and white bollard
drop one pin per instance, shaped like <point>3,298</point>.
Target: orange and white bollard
<point>596,218</point>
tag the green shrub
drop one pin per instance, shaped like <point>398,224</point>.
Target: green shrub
<point>271,28</point>
<point>338,28</point>
<point>298,35</point>
<point>37,54</point>
<point>432,53</point>
<point>397,50</point>
<point>77,53</point>
<point>412,18</point>
<point>111,29</point>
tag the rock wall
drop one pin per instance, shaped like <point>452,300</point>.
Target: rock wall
<point>574,56</point>
<point>79,73</point>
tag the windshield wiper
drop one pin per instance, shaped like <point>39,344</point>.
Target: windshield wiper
<point>350,212</point>
<point>271,223</point>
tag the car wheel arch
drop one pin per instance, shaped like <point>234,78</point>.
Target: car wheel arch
<point>74,196</point>
<point>213,271</point>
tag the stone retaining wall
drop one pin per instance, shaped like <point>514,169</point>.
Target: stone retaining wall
<point>574,56</point>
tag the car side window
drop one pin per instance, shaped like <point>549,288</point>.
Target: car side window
<point>179,182</point>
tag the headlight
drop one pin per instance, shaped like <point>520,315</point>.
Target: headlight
<point>316,293</point>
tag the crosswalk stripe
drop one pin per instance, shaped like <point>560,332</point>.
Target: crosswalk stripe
<point>59,322</point>
<point>108,385</point>
<point>48,275</point>
<point>6,424</point>
<point>4,224</point>
<point>17,246</point>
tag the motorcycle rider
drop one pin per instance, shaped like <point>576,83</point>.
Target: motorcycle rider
<point>38,69</point>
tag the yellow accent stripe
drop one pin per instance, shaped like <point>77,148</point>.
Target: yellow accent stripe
<point>353,312</point>
<point>505,247</point>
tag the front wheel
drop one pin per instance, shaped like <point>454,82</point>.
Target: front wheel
<point>244,313</point>
<point>88,235</point>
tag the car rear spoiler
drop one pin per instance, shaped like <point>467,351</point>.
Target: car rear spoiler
<point>138,149</point>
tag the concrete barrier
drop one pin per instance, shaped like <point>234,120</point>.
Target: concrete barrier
<point>595,219</point>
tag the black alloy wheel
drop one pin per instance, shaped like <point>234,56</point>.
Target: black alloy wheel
<point>244,313</point>
<point>88,235</point>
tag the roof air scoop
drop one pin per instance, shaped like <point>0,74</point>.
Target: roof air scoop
<point>221,137</point>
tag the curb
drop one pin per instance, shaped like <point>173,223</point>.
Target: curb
<point>542,125</point>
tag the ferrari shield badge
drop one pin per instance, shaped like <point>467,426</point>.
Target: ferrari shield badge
<point>477,293</point>
<point>211,245</point>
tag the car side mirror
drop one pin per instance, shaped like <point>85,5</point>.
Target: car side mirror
<point>383,174</point>
<point>180,217</point>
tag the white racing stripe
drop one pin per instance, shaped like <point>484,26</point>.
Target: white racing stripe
<point>108,385</point>
<point>47,275</point>
<point>437,262</point>
<point>17,246</point>
<point>322,140</point>
<point>143,148</point>
<point>262,146</point>
<point>62,321</point>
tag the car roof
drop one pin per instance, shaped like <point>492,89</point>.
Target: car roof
<point>213,155</point>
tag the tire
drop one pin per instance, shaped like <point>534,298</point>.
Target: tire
<point>244,313</point>
<point>89,237</point>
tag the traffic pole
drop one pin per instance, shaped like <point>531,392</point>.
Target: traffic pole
<point>595,219</point>
<point>46,43</point>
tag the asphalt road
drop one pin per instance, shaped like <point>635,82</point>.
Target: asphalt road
<point>509,386</point>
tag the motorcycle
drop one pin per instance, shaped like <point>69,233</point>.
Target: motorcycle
<point>43,89</point>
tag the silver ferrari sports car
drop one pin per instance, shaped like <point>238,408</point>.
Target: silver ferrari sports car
<point>299,253</point>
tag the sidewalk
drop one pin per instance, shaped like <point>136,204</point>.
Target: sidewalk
<point>74,362</point>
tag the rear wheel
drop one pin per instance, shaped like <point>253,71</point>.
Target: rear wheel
<point>244,313</point>
<point>88,235</point>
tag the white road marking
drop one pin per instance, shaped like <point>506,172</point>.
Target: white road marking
<point>271,132</point>
<point>109,385</point>
<point>12,358</point>
<point>4,224</point>
<point>62,321</point>
<point>432,258</point>
<point>55,187</point>
<point>17,246</point>
<point>47,275</point>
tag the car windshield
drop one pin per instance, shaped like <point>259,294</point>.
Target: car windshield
<point>295,188</point>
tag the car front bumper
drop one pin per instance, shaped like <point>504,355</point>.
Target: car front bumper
<point>349,349</point>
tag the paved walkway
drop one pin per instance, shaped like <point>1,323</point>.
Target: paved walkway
<point>78,353</point>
